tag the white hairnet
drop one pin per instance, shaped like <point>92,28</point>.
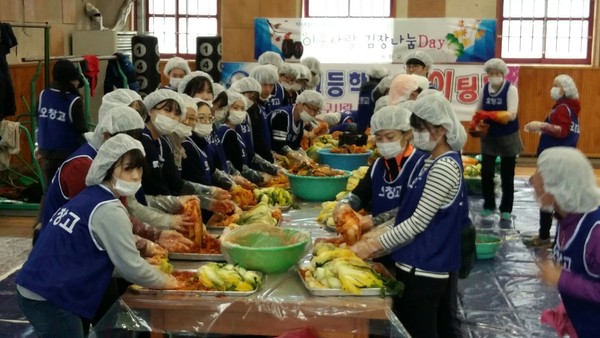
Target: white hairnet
<point>303,72</point>
<point>246,84</point>
<point>270,58</point>
<point>176,62</point>
<point>391,117</point>
<point>421,56</point>
<point>288,69</point>
<point>115,120</point>
<point>190,102</point>
<point>568,85</point>
<point>313,64</point>
<point>422,81</point>
<point>495,64</point>
<point>116,98</point>
<point>186,79</point>
<point>108,154</point>
<point>401,87</point>
<point>381,102</point>
<point>233,96</point>
<point>159,95</point>
<point>406,104</point>
<point>265,74</point>
<point>434,108</point>
<point>311,97</point>
<point>377,72</point>
<point>330,118</point>
<point>568,175</point>
<point>217,88</point>
<point>385,83</point>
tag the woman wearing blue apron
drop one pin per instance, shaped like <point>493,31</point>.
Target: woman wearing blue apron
<point>425,242</point>
<point>560,128</point>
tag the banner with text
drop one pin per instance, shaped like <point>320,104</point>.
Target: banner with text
<point>382,40</point>
<point>340,83</point>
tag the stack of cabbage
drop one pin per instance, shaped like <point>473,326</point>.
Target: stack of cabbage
<point>336,268</point>
<point>276,196</point>
<point>227,277</point>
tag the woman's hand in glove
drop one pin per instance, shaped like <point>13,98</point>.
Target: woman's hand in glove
<point>222,206</point>
<point>184,199</point>
<point>172,283</point>
<point>341,209</point>
<point>181,222</point>
<point>368,248</point>
<point>266,179</point>
<point>221,194</point>
<point>533,127</point>
<point>174,241</point>
<point>366,223</point>
<point>153,249</point>
<point>243,182</point>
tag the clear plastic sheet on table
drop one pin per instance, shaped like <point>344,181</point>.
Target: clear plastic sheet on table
<point>282,304</point>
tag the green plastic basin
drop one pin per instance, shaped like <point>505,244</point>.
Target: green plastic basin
<point>318,189</point>
<point>487,245</point>
<point>264,253</point>
<point>343,161</point>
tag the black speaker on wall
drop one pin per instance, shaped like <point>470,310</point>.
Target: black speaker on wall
<point>209,52</point>
<point>146,62</point>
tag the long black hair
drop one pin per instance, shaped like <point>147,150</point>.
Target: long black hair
<point>63,72</point>
<point>136,160</point>
<point>198,85</point>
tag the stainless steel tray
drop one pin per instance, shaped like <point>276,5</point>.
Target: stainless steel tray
<point>196,257</point>
<point>145,291</point>
<point>327,292</point>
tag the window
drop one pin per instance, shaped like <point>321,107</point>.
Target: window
<point>546,31</point>
<point>347,8</point>
<point>177,23</point>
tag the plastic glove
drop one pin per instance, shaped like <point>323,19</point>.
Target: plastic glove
<point>222,206</point>
<point>375,232</point>
<point>340,209</point>
<point>171,283</point>
<point>174,241</point>
<point>368,248</point>
<point>181,222</point>
<point>533,127</point>
<point>220,194</point>
<point>222,179</point>
<point>366,223</point>
<point>550,272</point>
<point>266,179</point>
<point>243,182</point>
<point>153,249</point>
<point>185,198</point>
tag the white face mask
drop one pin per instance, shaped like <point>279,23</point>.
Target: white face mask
<point>165,125</point>
<point>203,129</point>
<point>220,115</point>
<point>296,87</point>
<point>555,93</point>
<point>266,99</point>
<point>174,82</point>
<point>496,80</point>
<point>125,188</point>
<point>182,130</point>
<point>421,140</point>
<point>306,117</point>
<point>389,149</point>
<point>237,116</point>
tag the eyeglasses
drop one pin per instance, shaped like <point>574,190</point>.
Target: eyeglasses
<point>412,66</point>
<point>206,119</point>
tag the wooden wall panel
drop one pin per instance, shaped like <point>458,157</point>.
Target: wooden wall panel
<point>12,10</point>
<point>535,104</point>
<point>426,9</point>
<point>43,11</point>
<point>240,13</point>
